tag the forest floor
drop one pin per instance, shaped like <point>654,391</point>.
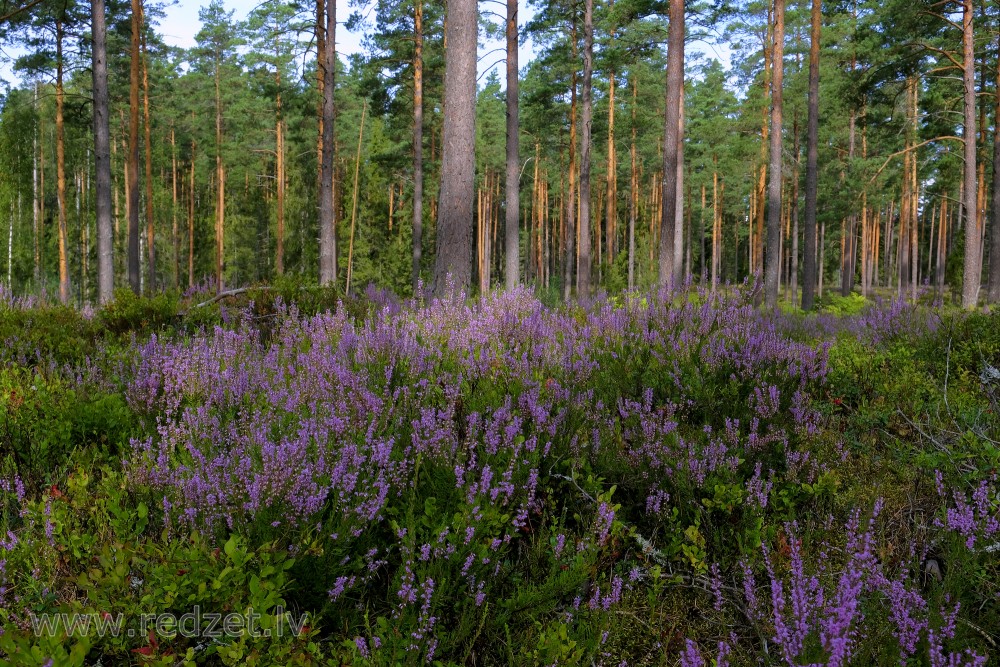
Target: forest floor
<point>290,477</point>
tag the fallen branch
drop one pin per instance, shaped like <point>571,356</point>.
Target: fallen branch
<point>225,295</point>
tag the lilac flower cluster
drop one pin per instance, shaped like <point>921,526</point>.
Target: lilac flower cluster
<point>821,613</point>
<point>335,425</point>
<point>974,517</point>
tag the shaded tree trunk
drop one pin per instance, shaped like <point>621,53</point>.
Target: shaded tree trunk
<point>458,163</point>
<point>634,188</point>
<point>678,268</point>
<point>191,221</point>
<point>611,199</point>
<point>583,270</point>
<point>150,229</point>
<point>132,174</point>
<point>512,190</point>
<point>993,289</point>
<point>327,209</point>
<point>174,237</point>
<point>772,268</point>
<point>675,80</point>
<point>102,155</point>
<point>812,167</point>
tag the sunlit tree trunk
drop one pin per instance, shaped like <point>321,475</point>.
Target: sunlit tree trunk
<point>972,273</point>
<point>220,182</point>
<point>675,81</point>
<point>279,150</point>
<point>418,140</point>
<point>61,166</point>
<point>512,190</point>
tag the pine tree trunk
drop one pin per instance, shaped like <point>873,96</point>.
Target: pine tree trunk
<point>354,200</point>
<point>772,269</point>
<point>174,238</point>
<point>61,167</point>
<point>611,198</point>
<point>150,230</point>
<point>633,187</point>
<point>418,140</point>
<point>570,231</point>
<point>132,175</point>
<point>793,271</point>
<point>972,273</point>
<point>220,183</point>
<point>279,150</point>
<point>191,222</point>
<point>327,209</point>
<point>678,269</point>
<point>37,194</point>
<point>812,167</point>
<point>102,154</point>
<point>512,239</point>
<point>993,288</point>
<point>675,81</point>
<point>583,270</point>
<point>458,164</point>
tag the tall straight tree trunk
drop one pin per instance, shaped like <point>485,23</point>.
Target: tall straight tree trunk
<point>716,226</point>
<point>150,229</point>
<point>633,187</point>
<point>61,166</point>
<point>132,180</point>
<point>850,224</point>
<point>102,154</point>
<point>220,182</point>
<point>993,286</point>
<point>756,239</point>
<point>675,80</point>
<point>772,268</point>
<point>174,237</point>
<point>583,270</point>
<point>279,151</point>
<point>611,199</point>
<point>793,270</point>
<point>972,273</point>
<point>354,200</point>
<point>327,209</point>
<point>512,190</point>
<point>812,159</point>
<point>190,239</point>
<point>418,140</point>
<point>678,269</point>
<point>37,193</point>
<point>458,154</point>
<point>570,231</point>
